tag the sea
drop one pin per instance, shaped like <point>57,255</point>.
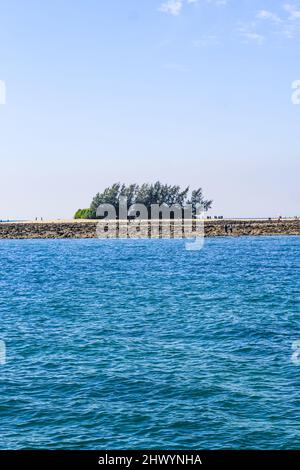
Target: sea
<point>143,344</point>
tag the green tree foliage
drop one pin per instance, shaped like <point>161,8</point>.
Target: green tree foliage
<point>82,214</point>
<point>146,194</point>
<point>197,198</point>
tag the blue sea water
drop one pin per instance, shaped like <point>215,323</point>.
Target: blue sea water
<point>142,344</point>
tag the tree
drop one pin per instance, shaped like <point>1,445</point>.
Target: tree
<point>146,194</point>
<point>197,198</point>
<point>109,196</point>
<point>82,214</point>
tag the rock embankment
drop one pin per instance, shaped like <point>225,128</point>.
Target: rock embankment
<point>102,229</point>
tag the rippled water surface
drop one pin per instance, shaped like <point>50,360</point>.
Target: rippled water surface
<point>142,344</point>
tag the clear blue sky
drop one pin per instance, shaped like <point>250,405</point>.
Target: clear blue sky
<point>188,92</point>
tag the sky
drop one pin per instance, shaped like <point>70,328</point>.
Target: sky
<point>189,92</point>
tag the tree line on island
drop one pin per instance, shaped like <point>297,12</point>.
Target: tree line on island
<point>146,194</point>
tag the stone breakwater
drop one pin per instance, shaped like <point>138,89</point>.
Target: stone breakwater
<point>104,229</point>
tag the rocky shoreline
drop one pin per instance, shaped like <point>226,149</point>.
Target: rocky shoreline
<point>103,229</point>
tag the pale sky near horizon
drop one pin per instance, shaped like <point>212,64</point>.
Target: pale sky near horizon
<point>188,92</point>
